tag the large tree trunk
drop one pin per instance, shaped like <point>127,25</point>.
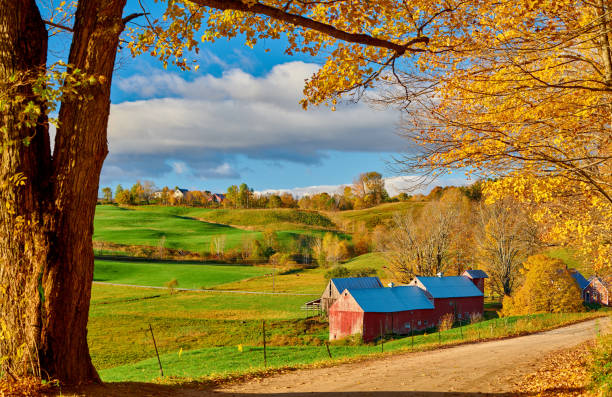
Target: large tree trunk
<point>24,187</point>
<point>47,223</point>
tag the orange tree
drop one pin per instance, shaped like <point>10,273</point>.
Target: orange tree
<point>527,102</point>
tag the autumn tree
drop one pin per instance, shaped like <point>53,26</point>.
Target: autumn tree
<point>505,237</point>
<point>548,288</point>
<point>370,187</point>
<point>528,102</point>
<point>420,243</point>
<point>108,194</point>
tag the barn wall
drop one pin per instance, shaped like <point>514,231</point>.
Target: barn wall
<point>458,306</point>
<point>597,293</point>
<point>479,282</point>
<point>397,323</point>
<point>345,318</point>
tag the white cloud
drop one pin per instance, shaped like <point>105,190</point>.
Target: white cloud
<point>206,122</point>
<point>393,185</point>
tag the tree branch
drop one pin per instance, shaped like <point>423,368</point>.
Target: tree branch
<point>135,15</point>
<point>298,20</point>
<point>57,25</point>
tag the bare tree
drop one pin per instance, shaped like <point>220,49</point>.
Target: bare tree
<point>505,238</point>
<point>421,245</point>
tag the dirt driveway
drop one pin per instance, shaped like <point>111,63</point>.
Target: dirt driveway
<point>490,368</point>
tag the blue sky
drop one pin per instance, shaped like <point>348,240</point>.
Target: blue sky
<point>237,119</point>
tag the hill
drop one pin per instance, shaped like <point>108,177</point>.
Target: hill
<point>371,217</point>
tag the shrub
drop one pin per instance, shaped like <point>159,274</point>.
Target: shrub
<point>171,285</point>
<point>338,272</point>
<point>446,322</point>
<point>341,271</point>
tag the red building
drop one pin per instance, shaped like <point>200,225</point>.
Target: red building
<point>375,311</point>
<point>458,295</point>
<point>598,291</point>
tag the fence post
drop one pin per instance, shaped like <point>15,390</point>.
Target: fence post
<point>327,346</point>
<point>382,339</point>
<point>460,329</point>
<point>263,326</point>
<point>161,371</point>
<point>412,333</point>
<point>439,336</point>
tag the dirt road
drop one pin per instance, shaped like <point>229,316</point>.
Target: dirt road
<point>491,368</point>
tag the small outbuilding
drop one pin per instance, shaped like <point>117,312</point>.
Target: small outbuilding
<point>335,286</point>
<point>477,277</point>
<point>457,295</point>
<point>598,290</point>
<point>375,311</point>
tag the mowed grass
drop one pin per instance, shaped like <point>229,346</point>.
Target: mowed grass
<point>192,229</point>
<point>120,317</point>
<point>147,225</point>
<point>159,273</point>
<point>229,360</point>
<point>277,218</point>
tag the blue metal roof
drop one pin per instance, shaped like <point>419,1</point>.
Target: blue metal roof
<point>476,274</point>
<point>582,282</point>
<point>450,287</point>
<point>356,283</point>
<point>388,300</point>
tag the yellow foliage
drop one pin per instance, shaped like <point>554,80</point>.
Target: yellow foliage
<point>548,288</point>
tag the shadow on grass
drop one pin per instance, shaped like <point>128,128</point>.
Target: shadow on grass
<point>195,389</point>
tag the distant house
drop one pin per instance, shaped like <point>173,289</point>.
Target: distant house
<point>179,193</point>
<point>598,290</point>
<point>375,311</point>
<point>336,285</point>
<point>216,197</point>
<point>457,295</point>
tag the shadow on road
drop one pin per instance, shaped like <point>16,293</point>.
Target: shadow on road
<point>135,389</point>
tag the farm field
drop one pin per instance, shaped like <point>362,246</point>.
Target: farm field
<point>214,362</point>
<point>192,229</point>
<point>120,317</point>
<point>157,274</point>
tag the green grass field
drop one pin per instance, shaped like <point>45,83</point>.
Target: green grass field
<point>192,229</point>
<point>229,360</point>
<point>146,225</point>
<point>158,274</point>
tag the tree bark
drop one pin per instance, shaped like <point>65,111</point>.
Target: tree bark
<point>24,187</point>
<point>47,223</point>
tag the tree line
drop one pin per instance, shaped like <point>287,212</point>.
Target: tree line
<point>367,190</point>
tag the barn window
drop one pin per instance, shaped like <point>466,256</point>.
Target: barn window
<point>459,315</point>
<point>407,325</point>
<point>419,322</point>
<point>425,322</point>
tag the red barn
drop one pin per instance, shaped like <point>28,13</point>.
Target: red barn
<point>477,277</point>
<point>373,311</point>
<point>457,295</point>
<point>598,290</point>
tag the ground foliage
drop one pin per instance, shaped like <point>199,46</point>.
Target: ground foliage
<point>563,374</point>
<point>24,387</point>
